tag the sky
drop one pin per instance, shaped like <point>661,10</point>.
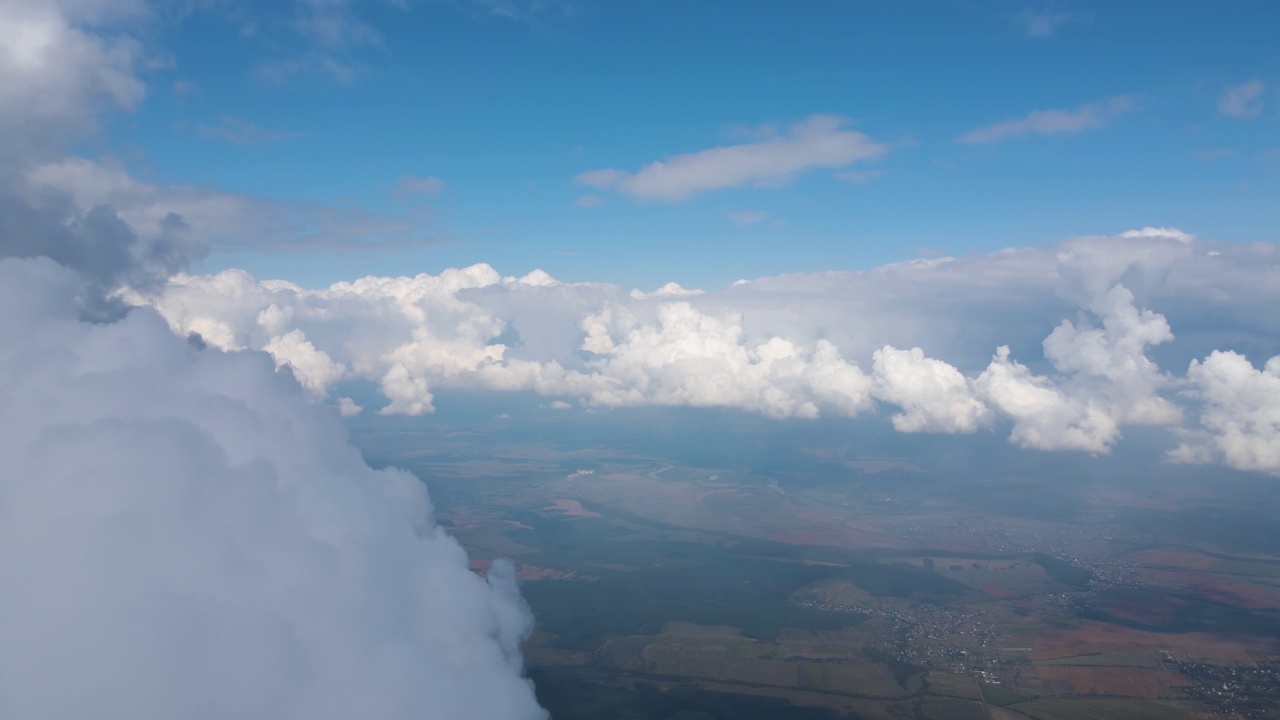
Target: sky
<point>226,228</point>
<point>464,131</point>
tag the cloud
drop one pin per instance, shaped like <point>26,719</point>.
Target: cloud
<point>1056,345</point>
<point>560,405</point>
<point>186,532</point>
<point>1043,22</point>
<point>57,72</point>
<point>934,396</point>
<point>589,200</point>
<point>223,220</point>
<point>183,534</point>
<point>1243,101</point>
<point>820,141</point>
<point>1050,122</point>
<point>348,407</point>
<point>1240,423</point>
<point>670,290</point>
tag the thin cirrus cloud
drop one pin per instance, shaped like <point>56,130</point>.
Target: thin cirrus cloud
<point>1243,101</point>
<point>410,185</point>
<point>1044,22</point>
<point>817,142</point>
<point>1050,122</point>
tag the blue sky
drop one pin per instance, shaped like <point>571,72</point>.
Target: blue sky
<point>505,104</point>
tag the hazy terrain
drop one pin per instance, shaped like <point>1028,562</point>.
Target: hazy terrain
<point>690,564</point>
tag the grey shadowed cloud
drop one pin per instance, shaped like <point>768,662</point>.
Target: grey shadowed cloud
<point>185,532</point>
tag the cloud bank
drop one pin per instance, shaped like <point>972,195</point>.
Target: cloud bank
<point>183,534</point>
<point>1053,346</point>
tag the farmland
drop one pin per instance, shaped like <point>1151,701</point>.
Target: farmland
<point>675,582</point>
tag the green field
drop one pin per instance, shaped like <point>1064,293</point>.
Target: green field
<point>997,695</point>
<point>952,709</point>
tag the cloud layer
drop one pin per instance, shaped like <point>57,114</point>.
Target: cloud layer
<point>835,344</point>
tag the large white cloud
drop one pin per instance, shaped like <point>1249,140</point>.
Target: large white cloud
<point>1240,420</point>
<point>57,70</point>
<point>183,534</point>
<point>791,346</point>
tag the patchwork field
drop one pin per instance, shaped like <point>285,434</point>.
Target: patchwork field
<point>1118,681</point>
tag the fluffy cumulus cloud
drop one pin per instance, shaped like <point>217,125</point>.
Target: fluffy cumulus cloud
<point>60,62</point>
<point>820,141</point>
<point>185,531</point>
<point>1057,344</point>
<point>1050,122</point>
<point>1240,422</point>
<point>184,534</point>
<point>934,396</point>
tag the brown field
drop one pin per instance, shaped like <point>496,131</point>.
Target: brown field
<point>1100,637</point>
<point>1071,708</point>
<point>570,508</point>
<point>1140,606</point>
<point>1118,681</point>
<point>1214,588</point>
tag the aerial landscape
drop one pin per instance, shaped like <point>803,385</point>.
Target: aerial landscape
<point>815,579</point>
<point>639,360</point>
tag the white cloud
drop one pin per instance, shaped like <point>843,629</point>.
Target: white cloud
<point>313,368</point>
<point>184,535</point>
<point>934,396</point>
<point>348,407</point>
<point>796,345</point>
<point>820,141</point>
<point>1243,101</point>
<point>56,72</point>
<point>1050,122</point>
<point>1043,22</point>
<point>687,357</point>
<point>1240,422</point>
<point>589,200</point>
<point>1044,417</point>
<point>560,405</point>
<point>670,290</point>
